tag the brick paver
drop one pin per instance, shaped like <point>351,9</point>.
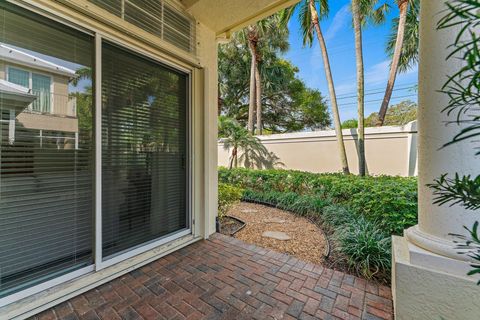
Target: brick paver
<point>225,278</point>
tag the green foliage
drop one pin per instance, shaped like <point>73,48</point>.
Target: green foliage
<point>288,105</point>
<point>366,247</point>
<point>373,12</point>
<point>391,201</point>
<point>305,12</point>
<point>471,245</point>
<point>227,196</point>
<point>409,53</point>
<point>304,205</point>
<point>464,191</point>
<point>397,115</point>
<point>350,124</point>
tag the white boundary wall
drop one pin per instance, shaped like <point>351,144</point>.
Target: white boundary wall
<point>389,150</point>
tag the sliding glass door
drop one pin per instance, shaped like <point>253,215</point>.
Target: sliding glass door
<point>144,150</point>
<point>49,152</point>
<point>46,160</point>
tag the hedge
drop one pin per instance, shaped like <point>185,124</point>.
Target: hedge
<point>388,201</point>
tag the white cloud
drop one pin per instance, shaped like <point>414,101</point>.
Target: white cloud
<point>339,20</point>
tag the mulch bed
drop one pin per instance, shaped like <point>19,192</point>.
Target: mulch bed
<point>229,225</point>
<point>307,241</point>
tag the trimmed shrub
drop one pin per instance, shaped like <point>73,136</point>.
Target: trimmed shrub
<point>390,201</point>
<point>290,201</point>
<point>227,196</point>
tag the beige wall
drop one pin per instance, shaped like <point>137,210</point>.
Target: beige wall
<point>389,150</point>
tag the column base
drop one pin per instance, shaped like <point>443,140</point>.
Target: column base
<point>435,288</point>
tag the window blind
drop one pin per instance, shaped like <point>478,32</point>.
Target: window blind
<point>46,163</point>
<point>144,150</point>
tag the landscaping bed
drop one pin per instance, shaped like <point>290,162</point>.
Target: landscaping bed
<point>359,213</point>
<point>265,227</point>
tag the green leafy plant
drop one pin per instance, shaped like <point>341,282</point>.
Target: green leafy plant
<point>461,190</point>
<point>366,246</point>
<point>227,196</point>
<point>390,200</point>
<point>471,247</point>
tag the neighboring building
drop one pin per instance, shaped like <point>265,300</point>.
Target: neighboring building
<point>53,112</point>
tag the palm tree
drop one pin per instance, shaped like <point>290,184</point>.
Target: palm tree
<point>264,37</point>
<point>357,26</point>
<point>252,38</point>
<point>310,20</point>
<point>363,11</point>
<point>400,24</point>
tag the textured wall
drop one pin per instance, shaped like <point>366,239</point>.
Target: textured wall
<point>389,150</point>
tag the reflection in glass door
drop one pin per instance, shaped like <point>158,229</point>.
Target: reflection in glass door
<point>46,160</point>
<point>144,150</point>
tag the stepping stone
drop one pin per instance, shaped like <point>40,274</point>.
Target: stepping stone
<point>249,211</point>
<point>274,220</point>
<point>278,235</point>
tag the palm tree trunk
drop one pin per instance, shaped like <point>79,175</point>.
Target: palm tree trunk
<point>360,87</point>
<point>331,89</point>
<point>253,67</point>
<point>258,93</point>
<point>403,6</point>
<point>233,158</point>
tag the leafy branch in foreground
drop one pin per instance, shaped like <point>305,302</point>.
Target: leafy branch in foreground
<point>463,87</point>
<point>464,191</point>
<point>471,246</point>
<point>463,91</point>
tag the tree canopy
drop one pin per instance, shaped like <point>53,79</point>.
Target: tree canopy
<point>397,115</point>
<point>287,103</point>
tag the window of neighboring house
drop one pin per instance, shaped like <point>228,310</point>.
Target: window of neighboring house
<point>39,84</point>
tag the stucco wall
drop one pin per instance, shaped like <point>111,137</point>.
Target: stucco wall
<point>389,150</point>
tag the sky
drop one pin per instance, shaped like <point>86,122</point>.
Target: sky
<point>339,38</point>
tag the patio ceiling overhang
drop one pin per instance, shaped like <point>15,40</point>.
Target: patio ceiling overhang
<point>227,16</point>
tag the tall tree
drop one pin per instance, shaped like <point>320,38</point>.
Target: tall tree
<point>309,19</point>
<point>288,105</point>
<point>403,6</point>
<point>268,36</point>
<point>357,26</point>
<point>252,38</point>
<point>363,11</point>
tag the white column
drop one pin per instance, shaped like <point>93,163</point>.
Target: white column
<point>429,278</point>
<point>437,222</point>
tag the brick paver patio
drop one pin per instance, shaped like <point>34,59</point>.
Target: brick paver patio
<point>224,278</point>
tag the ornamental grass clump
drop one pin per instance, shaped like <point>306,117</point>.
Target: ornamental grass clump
<point>366,247</point>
